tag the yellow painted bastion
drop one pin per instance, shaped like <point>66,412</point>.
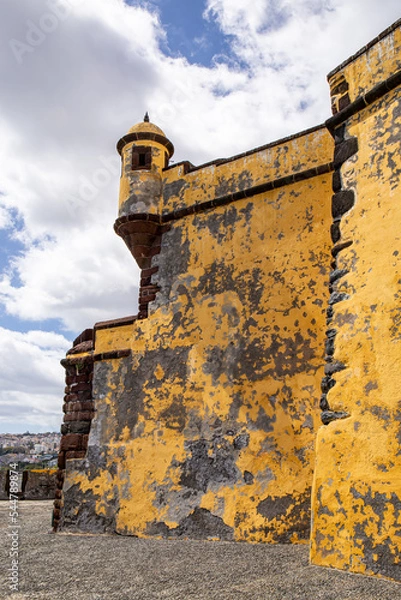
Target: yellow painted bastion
<point>256,396</point>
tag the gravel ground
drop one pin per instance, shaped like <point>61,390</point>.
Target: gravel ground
<point>106,567</point>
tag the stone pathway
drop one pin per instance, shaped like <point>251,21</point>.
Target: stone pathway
<point>100,567</point>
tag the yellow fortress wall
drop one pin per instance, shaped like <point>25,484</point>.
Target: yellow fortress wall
<point>357,488</point>
<point>269,292</point>
<point>206,429</point>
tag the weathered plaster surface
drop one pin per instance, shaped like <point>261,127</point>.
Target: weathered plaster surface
<point>373,64</point>
<point>357,488</point>
<point>270,287</point>
<point>208,429</point>
<point>286,157</point>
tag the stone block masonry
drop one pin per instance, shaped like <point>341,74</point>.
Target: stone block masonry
<point>78,411</point>
<point>270,288</point>
<point>36,484</point>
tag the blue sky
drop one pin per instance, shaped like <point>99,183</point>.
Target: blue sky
<point>219,76</point>
<point>188,33</point>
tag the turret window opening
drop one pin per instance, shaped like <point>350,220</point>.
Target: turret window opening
<point>141,157</point>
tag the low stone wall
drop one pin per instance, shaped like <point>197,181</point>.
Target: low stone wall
<point>38,484</point>
<point>3,484</point>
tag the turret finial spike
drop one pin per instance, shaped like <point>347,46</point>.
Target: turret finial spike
<point>146,117</point>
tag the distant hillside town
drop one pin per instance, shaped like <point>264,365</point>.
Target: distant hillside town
<point>36,449</point>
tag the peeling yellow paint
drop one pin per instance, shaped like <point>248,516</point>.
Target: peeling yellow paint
<point>371,66</point>
<point>264,241</point>
<point>357,488</point>
<point>210,426</point>
<point>108,340</point>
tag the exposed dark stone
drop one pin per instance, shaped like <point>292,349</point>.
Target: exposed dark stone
<point>344,150</point>
<point>210,462</point>
<point>328,416</point>
<point>338,134</point>
<point>4,484</point>
<point>129,404</point>
<point>222,361</point>
<point>235,407</point>
<point>341,203</point>
<point>174,188</point>
<point>336,181</point>
<point>273,508</point>
<point>333,367</point>
<point>172,262</point>
<point>201,524</point>
<point>283,357</point>
<point>97,462</point>
<point>380,411</point>
<point>146,191</point>
<point>292,510</point>
<point>341,87</point>
<point>241,441</point>
<point>337,274</point>
<point>329,345</point>
<point>264,421</point>
<point>337,297</point>
<point>324,405</point>
<point>236,183</point>
<point>221,225</point>
<point>341,246</point>
<point>371,385</point>
<point>158,529</point>
<point>131,383</point>
<point>327,384</point>
<point>344,101</point>
<point>218,278</point>
<point>79,513</point>
<point>248,477</point>
<point>39,485</point>
<point>175,415</point>
<point>378,556</point>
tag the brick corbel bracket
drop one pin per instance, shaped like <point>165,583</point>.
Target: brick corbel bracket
<point>142,235</point>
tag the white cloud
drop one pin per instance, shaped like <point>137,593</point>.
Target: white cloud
<point>79,73</point>
<point>31,378</point>
<point>237,15</point>
<point>289,46</point>
<point>81,278</point>
<point>5,220</point>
